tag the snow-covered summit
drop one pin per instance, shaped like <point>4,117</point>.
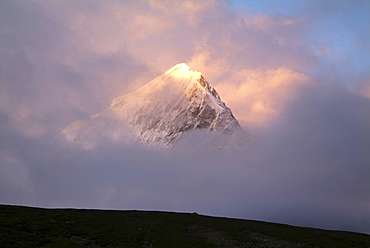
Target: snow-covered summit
<point>179,69</point>
<point>160,112</point>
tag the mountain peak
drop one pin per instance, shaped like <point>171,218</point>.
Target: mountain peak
<point>181,67</point>
<point>178,101</point>
<point>181,70</point>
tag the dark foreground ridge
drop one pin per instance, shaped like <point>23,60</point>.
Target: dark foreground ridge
<point>37,227</point>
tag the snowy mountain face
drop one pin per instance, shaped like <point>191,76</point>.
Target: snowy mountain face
<point>160,112</point>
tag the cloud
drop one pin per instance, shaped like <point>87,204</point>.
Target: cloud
<point>363,86</point>
<point>307,110</point>
<point>50,76</point>
<point>71,58</point>
<point>309,168</point>
<point>257,96</point>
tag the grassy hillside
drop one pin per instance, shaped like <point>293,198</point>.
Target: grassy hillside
<point>36,227</point>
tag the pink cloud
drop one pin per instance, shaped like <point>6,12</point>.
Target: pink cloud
<point>107,49</point>
<point>257,96</point>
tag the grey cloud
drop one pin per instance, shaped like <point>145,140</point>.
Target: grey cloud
<point>47,79</point>
<point>309,168</point>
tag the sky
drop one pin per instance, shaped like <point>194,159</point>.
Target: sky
<point>296,74</point>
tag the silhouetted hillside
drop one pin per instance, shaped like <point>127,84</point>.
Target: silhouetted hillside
<point>37,227</point>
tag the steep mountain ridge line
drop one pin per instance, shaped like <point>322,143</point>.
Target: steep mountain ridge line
<point>178,101</point>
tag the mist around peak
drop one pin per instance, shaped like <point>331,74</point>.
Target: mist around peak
<point>159,113</point>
